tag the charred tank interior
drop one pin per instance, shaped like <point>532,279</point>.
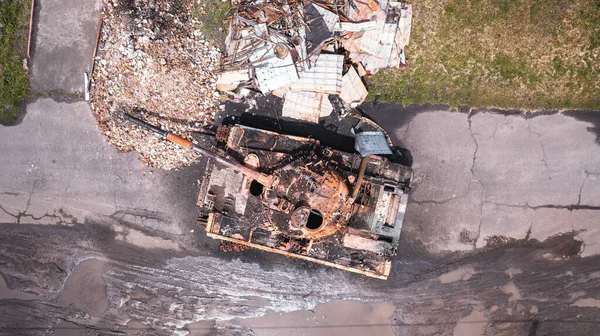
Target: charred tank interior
<point>300,200</point>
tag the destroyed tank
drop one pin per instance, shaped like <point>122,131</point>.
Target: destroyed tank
<point>318,204</point>
<point>293,196</point>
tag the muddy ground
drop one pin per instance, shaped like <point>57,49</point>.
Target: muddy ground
<point>500,235</point>
<point>93,239</point>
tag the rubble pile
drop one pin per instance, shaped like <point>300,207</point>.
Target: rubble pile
<point>153,63</point>
<point>304,51</point>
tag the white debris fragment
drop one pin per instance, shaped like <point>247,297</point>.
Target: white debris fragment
<point>324,77</point>
<point>354,91</point>
<point>302,106</point>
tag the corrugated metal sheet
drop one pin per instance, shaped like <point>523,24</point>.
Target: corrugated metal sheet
<point>356,26</point>
<point>330,18</point>
<point>318,33</point>
<point>377,46</point>
<point>273,73</point>
<point>372,143</point>
<point>302,106</point>
<point>405,24</point>
<point>326,106</point>
<point>324,77</point>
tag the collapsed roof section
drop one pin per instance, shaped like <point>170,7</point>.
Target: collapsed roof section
<point>275,46</point>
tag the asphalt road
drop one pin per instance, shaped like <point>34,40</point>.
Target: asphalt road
<point>493,174</point>
<point>63,43</point>
<point>500,235</point>
<point>92,237</point>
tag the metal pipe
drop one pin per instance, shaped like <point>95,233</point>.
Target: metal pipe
<point>361,176</point>
<point>146,125</point>
<point>30,29</point>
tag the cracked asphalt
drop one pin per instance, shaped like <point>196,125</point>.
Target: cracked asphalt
<point>493,175</point>
<point>500,235</point>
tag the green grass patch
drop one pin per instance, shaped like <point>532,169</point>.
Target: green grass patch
<point>534,54</point>
<point>14,85</point>
<point>210,16</point>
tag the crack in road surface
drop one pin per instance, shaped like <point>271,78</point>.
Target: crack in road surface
<point>165,289</point>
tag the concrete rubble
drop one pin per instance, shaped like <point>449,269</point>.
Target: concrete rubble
<point>153,62</point>
<point>306,51</point>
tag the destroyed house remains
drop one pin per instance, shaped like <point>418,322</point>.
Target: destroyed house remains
<point>303,51</point>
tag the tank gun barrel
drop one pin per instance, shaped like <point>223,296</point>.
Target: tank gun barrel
<point>264,179</point>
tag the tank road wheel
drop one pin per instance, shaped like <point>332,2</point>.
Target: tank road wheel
<point>202,219</point>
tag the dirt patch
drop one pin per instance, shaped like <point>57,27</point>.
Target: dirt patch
<point>471,325</point>
<point>134,327</point>
<point>85,288</point>
<point>590,303</point>
<point>565,245</point>
<point>499,241</point>
<point>201,328</point>
<point>7,293</point>
<point>349,318</point>
<point>140,239</point>
<point>511,289</point>
<point>464,274</point>
<point>511,272</point>
<point>65,328</point>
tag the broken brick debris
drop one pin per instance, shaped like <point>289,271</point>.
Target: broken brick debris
<point>152,61</point>
<point>312,47</point>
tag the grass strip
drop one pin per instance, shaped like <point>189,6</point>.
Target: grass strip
<point>14,85</point>
<point>524,54</point>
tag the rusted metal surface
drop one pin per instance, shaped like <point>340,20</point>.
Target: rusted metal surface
<point>308,211</point>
